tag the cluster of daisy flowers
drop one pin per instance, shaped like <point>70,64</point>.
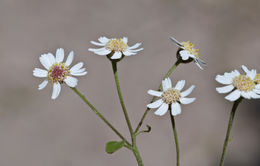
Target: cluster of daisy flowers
<point>58,72</point>
<point>240,85</point>
<point>169,98</point>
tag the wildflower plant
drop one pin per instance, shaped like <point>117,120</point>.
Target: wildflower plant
<point>167,98</point>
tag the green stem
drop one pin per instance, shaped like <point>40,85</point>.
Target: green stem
<point>133,136</point>
<point>100,115</point>
<point>231,118</point>
<point>137,156</point>
<point>114,65</point>
<point>153,99</point>
<point>176,139</point>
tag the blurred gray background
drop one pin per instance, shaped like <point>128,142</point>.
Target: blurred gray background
<point>34,130</point>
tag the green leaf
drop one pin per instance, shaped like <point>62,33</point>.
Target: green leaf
<point>113,146</point>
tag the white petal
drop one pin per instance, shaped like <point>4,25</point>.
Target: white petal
<point>169,82</point>
<point>78,71</point>
<point>137,50</point>
<point>52,59</point>
<point>257,91</point>
<point>79,74</point>
<point>246,95</point>
<point>135,46</point>
<point>155,104</point>
<point>117,55</point>
<point>128,53</point>
<point>233,95</point>
<point>252,74</point>
<point>225,89</point>
<point>223,79</point>
<point>103,39</point>
<point>100,51</point>
<point>125,40</point>
<point>184,100</point>
<point>254,95</point>
<point>180,84</point>
<point>56,90</point>
<point>176,109</point>
<point>71,81</point>
<point>184,55</point>
<point>198,64</point>
<point>201,61</point>
<point>188,91</point>
<point>162,110</point>
<point>44,59</point>
<point>43,85</point>
<point>175,41</point>
<point>257,86</point>
<point>155,93</point>
<point>97,44</point>
<point>40,72</point>
<point>59,55</point>
<point>245,69</point>
<point>76,67</point>
<point>166,84</point>
<point>97,49</point>
<point>70,58</point>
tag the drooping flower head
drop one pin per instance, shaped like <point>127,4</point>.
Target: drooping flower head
<point>187,52</point>
<point>171,97</point>
<point>240,85</point>
<point>58,72</point>
<point>115,48</point>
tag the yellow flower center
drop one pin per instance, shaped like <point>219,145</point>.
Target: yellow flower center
<point>171,96</point>
<point>58,72</point>
<point>190,47</point>
<point>116,45</point>
<point>243,83</point>
<point>257,78</point>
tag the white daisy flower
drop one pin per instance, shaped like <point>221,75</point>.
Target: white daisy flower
<point>58,72</point>
<point>115,48</point>
<point>246,86</point>
<point>187,52</point>
<point>170,98</point>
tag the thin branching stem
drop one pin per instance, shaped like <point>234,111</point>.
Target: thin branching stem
<point>227,139</point>
<point>133,136</point>
<point>176,139</point>
<point>100,115</point>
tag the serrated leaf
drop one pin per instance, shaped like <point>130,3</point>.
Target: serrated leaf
<point>114,146</point>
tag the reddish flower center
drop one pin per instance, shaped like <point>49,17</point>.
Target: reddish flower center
<point>58,72</point>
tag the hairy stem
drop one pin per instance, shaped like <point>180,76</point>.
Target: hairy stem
<point>100,115</point>
<point>231,118</point>
<point>176,139</point>
<point>133,136</point>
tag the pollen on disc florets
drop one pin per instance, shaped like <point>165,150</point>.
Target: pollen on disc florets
<point>243,83</point>
<point>58,72</point>
<point>116,45</point>
<point>257,78</point>
<point>190,47</point>
<point>171,96</point>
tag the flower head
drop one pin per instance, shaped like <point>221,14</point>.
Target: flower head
<point>58,72</point>
<point>115,48</point>
<point>241,85</point>
<point>188,52</point>
<point>170,97</point>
